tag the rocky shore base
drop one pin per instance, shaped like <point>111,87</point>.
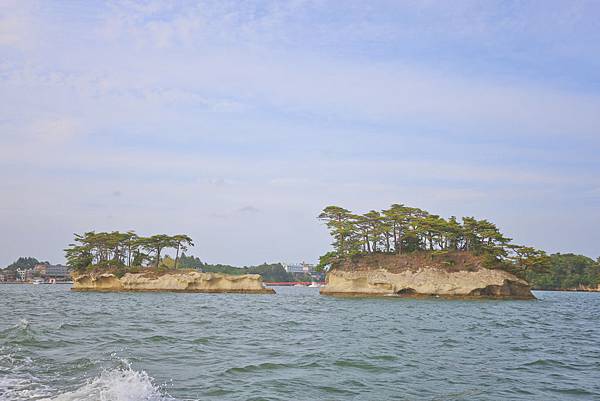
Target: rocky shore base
<point>184,281</point>
<point>424,282</point>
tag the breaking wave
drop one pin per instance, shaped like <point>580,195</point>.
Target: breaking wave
<point>122,383</point>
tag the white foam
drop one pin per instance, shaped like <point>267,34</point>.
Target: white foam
<point>119,384</point>
<point>23,324</point>
<point>24,387</point>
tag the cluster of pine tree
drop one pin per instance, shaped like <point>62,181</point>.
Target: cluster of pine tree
<point>401,229</point>
<point>122,249</point>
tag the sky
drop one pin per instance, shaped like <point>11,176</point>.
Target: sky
<point>238,122</point>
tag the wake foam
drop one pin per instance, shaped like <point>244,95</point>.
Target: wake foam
<point>23,324</point>
<point>118,384</point>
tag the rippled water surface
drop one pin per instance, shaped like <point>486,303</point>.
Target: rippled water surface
<point>296,345</point>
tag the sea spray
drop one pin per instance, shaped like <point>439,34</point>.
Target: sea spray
<point>121,383</point>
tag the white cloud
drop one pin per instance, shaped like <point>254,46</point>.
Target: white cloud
<point>56,130</point>
<point>198,114</point>
<point>17,24</point>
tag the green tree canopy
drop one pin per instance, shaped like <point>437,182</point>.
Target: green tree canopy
<point>24,262</point>
<point>121,249</point>
<point>402,228</point>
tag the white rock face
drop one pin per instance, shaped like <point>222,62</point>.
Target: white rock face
<point>190,281</point>
<point>427,281</point>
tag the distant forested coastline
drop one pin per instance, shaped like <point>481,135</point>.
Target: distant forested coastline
<point>567,272</point>
<point>270,272</point>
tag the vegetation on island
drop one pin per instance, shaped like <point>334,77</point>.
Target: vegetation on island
<point>402,229</point>
<point>399,229</point>
<point>122,251</point>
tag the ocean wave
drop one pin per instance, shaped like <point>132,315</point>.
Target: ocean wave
<point>66,326</point>
<point>23,326</point>
<point>119,383</point>
<point>19,334</point>
<point>122,383</point>
<point>21,386</point>
<point>259,367</point>
<point>549,363</point>
<point>359,364</point>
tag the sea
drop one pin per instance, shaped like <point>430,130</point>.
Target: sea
<point>56,344</point>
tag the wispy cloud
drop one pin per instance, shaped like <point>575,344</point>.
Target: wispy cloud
<point>203,114</point>
<point>249,209</point>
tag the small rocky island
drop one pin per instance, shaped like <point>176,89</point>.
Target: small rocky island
<point>179,280</point>
<point>125,261</point>
<point>408,252</point>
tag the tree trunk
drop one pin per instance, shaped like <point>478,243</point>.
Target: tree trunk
<point>157,256</point>
<point>399,249</point>
<point>176,256</point>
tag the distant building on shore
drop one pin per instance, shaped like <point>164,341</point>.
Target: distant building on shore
<point>51,271</point>
<point>302,268</point>
<point>8,275</point>
<point>24,274</point>
<point>40,269</point>
<point>57,271</point>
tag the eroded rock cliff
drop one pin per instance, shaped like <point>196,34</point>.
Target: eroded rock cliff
<point>419,275</point>
<point>184,281</point>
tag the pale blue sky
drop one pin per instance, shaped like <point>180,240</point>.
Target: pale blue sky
<point>237,122</point>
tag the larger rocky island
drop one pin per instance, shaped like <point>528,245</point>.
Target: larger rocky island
<point>407,251</point>
<point>455,275</point>
<point>180,281</point>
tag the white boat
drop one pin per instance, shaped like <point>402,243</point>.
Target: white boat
<point>314,284</point>
<point>37,281</point>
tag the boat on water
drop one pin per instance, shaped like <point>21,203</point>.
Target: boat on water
<point>314,284</point>
<point>37,281</point>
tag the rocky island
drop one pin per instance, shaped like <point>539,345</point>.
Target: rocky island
<point>117,261</point>
<point>409,252</point>
<point>180,281</point>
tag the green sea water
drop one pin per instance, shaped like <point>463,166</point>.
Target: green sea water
<point>61,345</point>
